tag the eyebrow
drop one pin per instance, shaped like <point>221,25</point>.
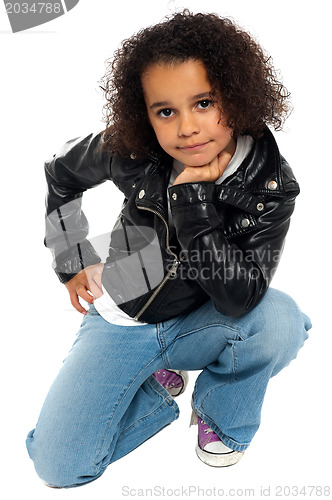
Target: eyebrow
<point>193,98</point>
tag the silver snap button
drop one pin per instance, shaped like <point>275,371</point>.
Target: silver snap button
<point>141,194</point>
<point>132,156</point>
<point>260,207</point>
<point>174,196</point>
<point>245,222</point>
<point>134,185</point>
<point>272,185</point>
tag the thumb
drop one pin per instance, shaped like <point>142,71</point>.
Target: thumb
<point>223,160</point>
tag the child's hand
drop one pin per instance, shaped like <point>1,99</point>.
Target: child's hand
<point>205,173</point>
<point>87,280</point>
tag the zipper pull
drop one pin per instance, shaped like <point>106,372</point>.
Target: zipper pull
<point>174,268</point>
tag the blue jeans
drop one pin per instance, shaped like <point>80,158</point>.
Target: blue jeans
<point>105,401</point>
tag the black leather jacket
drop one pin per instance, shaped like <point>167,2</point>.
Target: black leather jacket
<point>225,244</point>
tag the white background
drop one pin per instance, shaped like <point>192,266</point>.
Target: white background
<point>49,94</point>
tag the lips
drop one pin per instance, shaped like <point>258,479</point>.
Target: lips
<point>194,147</point>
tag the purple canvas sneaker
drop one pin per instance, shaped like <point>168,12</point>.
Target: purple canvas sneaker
<point>209,448</point>
<point>174,381</point>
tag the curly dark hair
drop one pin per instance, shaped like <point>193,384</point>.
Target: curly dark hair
<point>237,67</point>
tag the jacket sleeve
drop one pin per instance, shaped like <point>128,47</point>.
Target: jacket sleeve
<point>235,270</point>
<point>78,166</point>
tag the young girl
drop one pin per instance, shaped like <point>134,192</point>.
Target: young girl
<point>208,200</point>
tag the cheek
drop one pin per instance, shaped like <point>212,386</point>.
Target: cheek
<point>223,134</point>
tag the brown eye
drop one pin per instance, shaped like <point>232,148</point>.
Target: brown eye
<point>165,113</point>
<point>204,104</point>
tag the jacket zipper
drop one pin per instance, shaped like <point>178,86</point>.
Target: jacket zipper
<point>171,272</point>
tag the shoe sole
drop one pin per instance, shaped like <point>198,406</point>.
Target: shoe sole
<point>218,460</point>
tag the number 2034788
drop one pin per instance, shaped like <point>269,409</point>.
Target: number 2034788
<point>35,8</point>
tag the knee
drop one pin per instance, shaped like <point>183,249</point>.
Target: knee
<point>284,327</point>
<point>59,466</point>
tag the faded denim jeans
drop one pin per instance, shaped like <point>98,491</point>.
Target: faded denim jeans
<point>105,401</point>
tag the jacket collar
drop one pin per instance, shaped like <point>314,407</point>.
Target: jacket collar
<point>260,171</point>
<point>153,189</point>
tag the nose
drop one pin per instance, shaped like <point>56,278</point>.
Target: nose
<point>188,125</point>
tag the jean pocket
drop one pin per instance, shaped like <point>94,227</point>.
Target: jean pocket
<point>92,311</point>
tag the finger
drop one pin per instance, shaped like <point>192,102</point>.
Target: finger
<point>83,293</point>
<point>223,160</point>
<point>95,286</point>
<point>211,170</point>
<point>214,165</point>
<point>76,304</point>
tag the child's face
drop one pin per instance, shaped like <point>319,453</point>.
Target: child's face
<point>188,125</point>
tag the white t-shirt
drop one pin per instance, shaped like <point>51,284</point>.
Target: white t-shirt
<point>106,307</point>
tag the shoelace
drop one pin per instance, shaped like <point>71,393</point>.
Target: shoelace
<point>167,386</point>
<point>206,431</point>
